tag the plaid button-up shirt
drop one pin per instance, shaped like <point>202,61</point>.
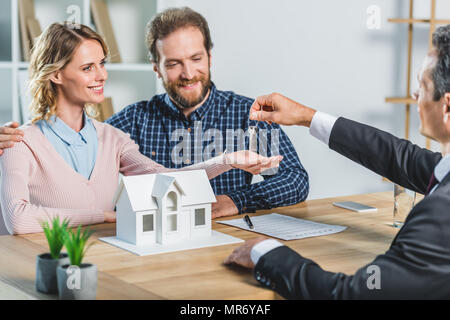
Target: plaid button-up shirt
<point>165,135</point>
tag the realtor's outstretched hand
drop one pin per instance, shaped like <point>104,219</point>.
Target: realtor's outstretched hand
<point>9,134</point>
<point>282,110</point>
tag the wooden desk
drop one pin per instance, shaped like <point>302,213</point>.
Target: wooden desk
<point>200,274</point>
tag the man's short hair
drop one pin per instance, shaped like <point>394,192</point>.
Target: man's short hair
<point>441,71</point>
<point>170,20</point>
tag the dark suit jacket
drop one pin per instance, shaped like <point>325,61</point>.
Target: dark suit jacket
<point>417,264</point>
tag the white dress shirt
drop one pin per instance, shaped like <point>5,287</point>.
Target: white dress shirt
<point>321,126</point>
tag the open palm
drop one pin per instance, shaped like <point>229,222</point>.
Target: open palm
<point>251,161</point>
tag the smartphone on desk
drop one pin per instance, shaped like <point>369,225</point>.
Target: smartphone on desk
<point>354,206</point>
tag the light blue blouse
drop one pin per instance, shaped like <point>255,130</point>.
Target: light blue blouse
<point>78,149</point>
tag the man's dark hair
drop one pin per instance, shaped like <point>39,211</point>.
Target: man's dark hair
<point>170,20</point>
<point>441,71</point>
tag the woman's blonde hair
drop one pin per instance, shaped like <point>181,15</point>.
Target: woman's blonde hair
<point>53,50</point>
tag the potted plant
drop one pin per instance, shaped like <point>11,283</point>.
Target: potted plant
<point>47,263</point>
<point>77,280</point>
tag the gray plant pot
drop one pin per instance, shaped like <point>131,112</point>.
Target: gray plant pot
<point>77,283</point>
<point>46,281</point>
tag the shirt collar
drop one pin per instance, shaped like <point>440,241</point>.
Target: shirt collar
<point>200,112</point>
<point>66,133</point>
<point>442,168</point>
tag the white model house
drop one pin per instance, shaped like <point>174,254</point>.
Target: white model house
<point>164,208</point>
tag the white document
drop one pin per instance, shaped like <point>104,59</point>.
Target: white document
<point>285,227</point>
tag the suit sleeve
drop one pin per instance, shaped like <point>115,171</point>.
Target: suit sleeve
<point>396,159</point>
<point>414,267</point>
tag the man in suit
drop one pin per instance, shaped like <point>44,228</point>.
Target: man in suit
<point>417,264</point>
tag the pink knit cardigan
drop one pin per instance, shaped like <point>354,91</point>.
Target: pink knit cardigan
<point>37,183</point>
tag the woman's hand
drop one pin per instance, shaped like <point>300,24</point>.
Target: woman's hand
<point>110,216</point>
<point>251,162</point>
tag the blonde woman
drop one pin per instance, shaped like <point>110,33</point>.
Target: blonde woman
<point>68,164</point>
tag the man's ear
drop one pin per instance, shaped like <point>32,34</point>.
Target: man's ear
<point>56,77</point>
<point>446,107</point>
<point>155,68</point>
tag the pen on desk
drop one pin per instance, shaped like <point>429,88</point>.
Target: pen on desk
<point>248,221</point>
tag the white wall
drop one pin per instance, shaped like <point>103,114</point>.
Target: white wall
<point>322,54</point>
<point>130,19</point>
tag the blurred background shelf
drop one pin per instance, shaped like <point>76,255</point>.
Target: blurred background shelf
<point>401,100</point>
<point>6,65</point>
<point>436,21</point>
<point>433,23</point>
<point>129,81</point>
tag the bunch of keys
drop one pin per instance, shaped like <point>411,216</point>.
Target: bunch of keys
<point>253,138</point>
<point>253,146</point>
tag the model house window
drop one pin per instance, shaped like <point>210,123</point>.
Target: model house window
<point>172,222</point>
<point>147,223</point>
<point>172,201</point>
<point>200,217</point>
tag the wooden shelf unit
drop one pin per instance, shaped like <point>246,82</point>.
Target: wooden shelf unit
<point>128,81</point>
<point>407,100</point>
<point>436,21</point>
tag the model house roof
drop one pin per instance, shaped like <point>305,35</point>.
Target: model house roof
<point>163,183</point>
<point>143,190</point>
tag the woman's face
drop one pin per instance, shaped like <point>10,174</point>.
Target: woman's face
<point>82,79</point>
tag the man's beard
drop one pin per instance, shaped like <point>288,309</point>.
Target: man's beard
<point>173,90</point>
